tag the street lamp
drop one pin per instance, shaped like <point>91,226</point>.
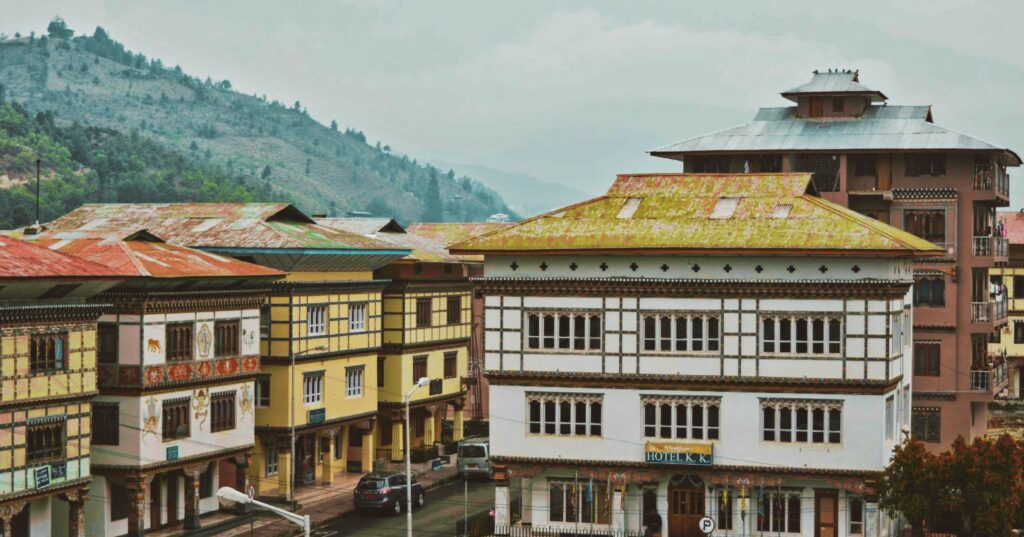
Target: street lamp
<point>233,495</point>
<point>408,456</point>
<point>291,405</point>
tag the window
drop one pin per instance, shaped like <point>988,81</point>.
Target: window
<point>316,320</point>
<point>225,338</point>
<point>270,456</point>
<point>925,424</point>
<point>48,352</point>
<point>380,371</point>
<point>1018,331</point>
<point>779,512</point>
<point>206,482</point>
<point>681,417</point>
<point>837,104</point>
<point>45,442</point>
<point>454,309</point>
<point>179,341</point>
<point>888,417</point>
<point>724,208</point>
<point>929,224</point>
<point>419,367</point>
<point>222,412</point>
<point>176,418</point>
<point>801,335</point>
<point>805,421</point>
<point>313,388</point>
<point>930,292</point>
<point>337,445</point>
<point>564,414</point>
<point>671,333</point>
<point>926,358</point>
<point>263,391</point>
<point>824,167</point>
<point>707,164</point>
<point>423,313</point>
<point>896,333</point>
<point>926,164</point>
<point>864,165</point>
<point>723,502</point>
<point>106,343</point>
<point>1018,287</point>
<point>265,321</point>
<point>567,331</point>
<point>354,381</point>
<point>119,504</point>
<point>764,163</point>
<point>578,500</point>
<point>105,424</point>
<point>856,516</point>
<point>450,364</point>
<point>357,317</point>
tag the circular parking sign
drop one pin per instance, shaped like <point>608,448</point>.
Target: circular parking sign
<point>706,524</point>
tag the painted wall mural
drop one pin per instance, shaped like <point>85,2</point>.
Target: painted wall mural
<point>151,422</point>
<point>201,404</point>
<point>245,402</point>
<point>204,341</point>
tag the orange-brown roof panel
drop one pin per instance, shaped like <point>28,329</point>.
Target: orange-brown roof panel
<point>21,259</point>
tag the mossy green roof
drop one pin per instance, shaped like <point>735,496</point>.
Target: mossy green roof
<point>674,214</point>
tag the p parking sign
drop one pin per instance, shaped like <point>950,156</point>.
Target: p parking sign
<point>706,525</point>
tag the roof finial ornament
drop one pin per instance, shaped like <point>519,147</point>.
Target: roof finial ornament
<point>815,71</point>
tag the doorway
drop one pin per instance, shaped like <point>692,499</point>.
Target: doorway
<point>826,513</point>
<point>685,508</point>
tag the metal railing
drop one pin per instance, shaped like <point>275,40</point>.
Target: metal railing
<point>989,311</point>
<point>1000,374</point>
<point>583,530</point>
<point>986,246</point>
<point>1002,247</point>
<point>992,177</point>
<point>981,381</point>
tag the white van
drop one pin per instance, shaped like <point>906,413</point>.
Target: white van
<point>474,458</point>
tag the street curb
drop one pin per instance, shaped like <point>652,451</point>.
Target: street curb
<point>348,514</point>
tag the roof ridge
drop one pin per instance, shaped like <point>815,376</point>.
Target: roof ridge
<point>454,246</point>
<point>123,245</point>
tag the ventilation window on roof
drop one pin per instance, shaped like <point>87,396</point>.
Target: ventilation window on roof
<point>724,208</point>
<point>629,207</point>
<point>782,210</point>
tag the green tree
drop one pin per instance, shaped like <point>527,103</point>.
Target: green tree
<point>911,485</point>
<point>986,479</point>
<point>433,211</point>
<point>334,125</point>
<point>266,172</point>
<point>58,29</point>
<point>309,163</point>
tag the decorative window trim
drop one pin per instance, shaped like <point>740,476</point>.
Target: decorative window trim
<point>313,387</point>
<point>354,381</point>
<point>262,396</point>
<point>673,417</point>
<point>270,460</point>
<point>765,516</point>
<point>814,343</point>
<point>787,425</point>
<point>546,414</point>
<point>709,343</point>
<point>357,317</point>
<point>181,407</point>
<point>222,412</point>
<point>576,502</point>
<point>564,331</point>
<point>316,319</point>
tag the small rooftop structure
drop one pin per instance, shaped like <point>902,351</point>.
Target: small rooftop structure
<point>428,243</point>
<point>738,214</point>
<point>834,83</point>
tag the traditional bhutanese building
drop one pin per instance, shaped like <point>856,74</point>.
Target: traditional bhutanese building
<point>47,380</point>
<point>690,345</point>
<point>1006,351</point>
<point>320,332</point>
<point>177,357</point>
<point>427,333</point>
<point>896,164</point>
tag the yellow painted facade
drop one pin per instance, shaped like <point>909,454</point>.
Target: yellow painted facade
<point>1010,347</point>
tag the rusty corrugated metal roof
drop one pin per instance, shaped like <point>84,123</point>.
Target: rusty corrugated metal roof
<point>719,213</point>
<point>449,233</point>
<point>21,259</point>
<point>1014,224</point>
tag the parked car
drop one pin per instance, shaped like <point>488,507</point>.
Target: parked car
<point>387,492</point>
<point>474,458</point>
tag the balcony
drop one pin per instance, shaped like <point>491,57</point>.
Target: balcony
<point>992,177</point>
<point>992,380</point>
<point>134,377</point>
<point>989,246</point>
<point>991,311</point>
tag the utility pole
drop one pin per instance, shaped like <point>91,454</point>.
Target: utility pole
<point>39,163</point>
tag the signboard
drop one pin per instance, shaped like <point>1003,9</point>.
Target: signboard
<point>172,453</point>
<point>706,525</point>
<point>690,454</point>
<point>58,470</point>
<point>317,416</point>
<point>42,477</point>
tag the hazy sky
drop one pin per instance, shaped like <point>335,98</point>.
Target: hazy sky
<point>571,92</point>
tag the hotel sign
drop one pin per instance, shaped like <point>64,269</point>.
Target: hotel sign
<point>691,454</point>
<point>318,415</point>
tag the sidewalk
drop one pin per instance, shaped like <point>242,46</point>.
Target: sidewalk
<point>324,504</point>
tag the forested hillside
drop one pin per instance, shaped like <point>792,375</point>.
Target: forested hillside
<point>96,82</point>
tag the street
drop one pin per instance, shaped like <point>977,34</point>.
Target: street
<point>445,505</point>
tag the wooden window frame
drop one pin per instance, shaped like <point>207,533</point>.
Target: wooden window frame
<point>176,418</point>
<point>681,335</point>
<point>227,338</point>
<point>107,343</point>
<point>451,364</point>
<point>180,342</point>
<point>454,314</point>
<point>313,387</point>
<point>45,442</point>
<point>222,412</point>
<point>424,312</point>
<point>795,421</point>
<point>682,418</point>
<point>355,377</point>
<point>357,317</point>
<point>103,432</point>
<point>564,331</point>
<point>926,424</point>
<point>48,352</point>
<point>262,392</point>
<point>560,414</point>
<point>925,363</point>
<point>420,367</point>
<point>808,335</point>
<point>316,320</point>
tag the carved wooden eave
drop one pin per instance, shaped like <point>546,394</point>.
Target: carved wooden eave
<point>31,495</point>
<point>686,288</point>
<point>418,403</point>
<point>934,396</point>
<point>141,302</point>
<point>271,431</point>
<point>168,466</point>
<point>65,399</point>
<point>401,348</point>
<point>691,382</point>
<point>444,286</point>
<point>50,314</point>
<point>293,287</point>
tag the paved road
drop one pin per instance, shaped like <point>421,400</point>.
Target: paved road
<point>436,519</point>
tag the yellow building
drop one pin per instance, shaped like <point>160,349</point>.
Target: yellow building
<point>47,381</point>
<point>1006,349</point>
<point>427,328</point>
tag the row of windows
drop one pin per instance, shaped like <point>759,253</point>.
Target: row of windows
<point>316,318</point>
<point>180,341</point>
<point>424,311</point>
<point>176,421</point>
<point>270,452</point>
<point>565,415</point>
<point>681,332</point>
<point>801,335</point>
<point>567,331</point>
<point>805,422</point>
<point>933,164</point>
<point>681,419</point>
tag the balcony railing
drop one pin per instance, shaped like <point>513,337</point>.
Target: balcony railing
<point>146,376</point>
<point>583,530</point>
<point>980,380</point>
<point>990,380</point>
<point>992,177</point>
<point>987,246</point>
<point>988,312</point>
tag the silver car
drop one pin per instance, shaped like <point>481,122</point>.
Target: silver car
<point>474,459</point>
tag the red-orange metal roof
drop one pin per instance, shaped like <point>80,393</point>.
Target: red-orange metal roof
<point>1014,224</point>
<point>20,259</point>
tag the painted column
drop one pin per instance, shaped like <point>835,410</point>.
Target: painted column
<point>871,519</point>
<point>502,507</point>
<point>526,492</point>
<point>327,467</point>
<point>458,425</point>
<point>284,473</point>
<point>344,448</point>
<point>8,511</point>
<point>397,440</point>
<point>242,482</point>
<point>618,510</point>
<point>76,511</point>
<point>368,449</point>
<point>136,486</point>
<point>192,480</point>
<point>428,426</point>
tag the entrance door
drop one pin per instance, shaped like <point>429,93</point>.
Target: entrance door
<point>685,509</point>
<point>826,513</point>
<point>155,504</point>
<point>308,461</point>
<point>172,498</point>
